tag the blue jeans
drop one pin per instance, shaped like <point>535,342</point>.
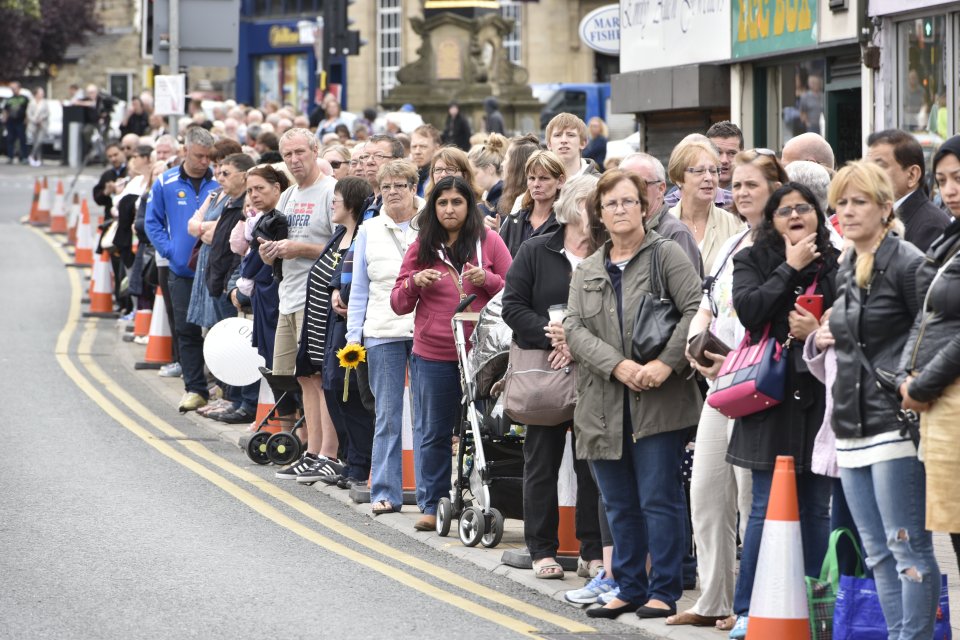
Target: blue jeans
<point>643,496</point>
<point>189,336</point>
<point>887,502</point>
<point>17,133</point>
<point>436,392</point>
<point>388,372</point>
<point>813,494</point>
<point>242,397</point>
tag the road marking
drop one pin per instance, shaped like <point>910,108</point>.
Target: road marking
<point>260,506</point>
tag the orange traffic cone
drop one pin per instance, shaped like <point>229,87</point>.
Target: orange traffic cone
<point>101,290</point>
<point>778,606</point>
<point>160,341</point>
<point>265,403</point>
<point>44,204</point>
<point>141,322</point>
<point>406,437</point>
<point>73,221</point>
<point>58,214</point>
<point>567,504</point>
<point>83,256</point>
<point>35,205</point>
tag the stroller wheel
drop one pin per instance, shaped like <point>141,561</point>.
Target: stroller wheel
<point>444,517</point>
<point>283,448</point>
<point>472,525</point>
<point>494,529</point>
<point>257,447</point>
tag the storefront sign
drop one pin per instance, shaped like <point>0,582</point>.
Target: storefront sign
<point>600,30</point>
<point>772,26</point>
<point>657,34</point>
<point>281,36</point>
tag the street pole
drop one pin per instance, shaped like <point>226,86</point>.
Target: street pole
<point>174,52</point>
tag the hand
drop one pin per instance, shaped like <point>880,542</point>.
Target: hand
<point>824,339</point>
<point>337,303</point>
<point>710,373</point>
<point>492,222</point>
<point>803,253</point>
<point>268,251</point>
<point>559,357</point>
<point>626,372</point>
<point>474,275</point>
<point>554,331</point>
<point>652,375</point>
<point>108,187</point>
<point>910,403</point>
<point>285,249</point>
<point>802,323</point>
<point>234,300</point>
<point>426,277</point>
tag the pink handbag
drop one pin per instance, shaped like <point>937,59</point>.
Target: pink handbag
<point>751,379</point>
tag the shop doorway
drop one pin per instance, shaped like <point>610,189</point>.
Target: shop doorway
<point>844,125</point>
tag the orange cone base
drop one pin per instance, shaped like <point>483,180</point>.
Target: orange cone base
<point>141,322</point>
<point>566,532</point>
<point>273,425</point>
<point>778,628</point>
<point>409,471</point>
<point>159,350</point>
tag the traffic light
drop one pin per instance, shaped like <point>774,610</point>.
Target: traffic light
<point>339,39</point>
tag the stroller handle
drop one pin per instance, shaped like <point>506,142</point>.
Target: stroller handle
<point>466,302</point>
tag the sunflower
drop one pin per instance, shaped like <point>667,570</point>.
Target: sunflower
<point>350,357</point>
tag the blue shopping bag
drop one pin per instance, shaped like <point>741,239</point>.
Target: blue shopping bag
<point>857,615</point>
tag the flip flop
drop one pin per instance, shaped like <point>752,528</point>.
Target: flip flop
<point>548,570</point>
<point>382,506</point>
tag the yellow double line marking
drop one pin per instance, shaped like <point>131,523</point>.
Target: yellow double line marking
<point>62,352</point>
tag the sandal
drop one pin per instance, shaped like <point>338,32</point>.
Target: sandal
<point>382,506</point>
<point>547,569</point>
<point>726,624</point>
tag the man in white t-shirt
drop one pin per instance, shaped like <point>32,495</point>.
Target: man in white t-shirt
<point>307,206</point>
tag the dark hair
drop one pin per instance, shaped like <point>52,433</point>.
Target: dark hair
<point>515,180</point>
<point>432,235</point>
<point>768,236</point>
<point>355,192</point>
<point>271,157</point>
<point>396,147</point>
<point>223,148</point>
<point>725,129</point>
<point>268,173</point>
<point>342,128</point>
<point>241,161</point>
<point>269,139</point>
<point>906,149</point>
<point>111,144</point>
<point>143,150</point>
<point>611,179</point>
<point>597,231</point>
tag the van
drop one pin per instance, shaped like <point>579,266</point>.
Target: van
<point>585,100</point>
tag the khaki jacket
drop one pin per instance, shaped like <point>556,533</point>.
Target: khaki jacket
<point>598,344</point>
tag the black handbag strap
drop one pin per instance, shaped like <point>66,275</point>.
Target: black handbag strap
<point>657,284</point>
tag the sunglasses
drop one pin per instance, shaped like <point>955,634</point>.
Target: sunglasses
<point>336,164</point>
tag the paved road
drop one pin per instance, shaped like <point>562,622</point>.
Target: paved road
<point>121,519</point>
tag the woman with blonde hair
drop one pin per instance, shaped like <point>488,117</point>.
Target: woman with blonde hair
<point>486,160</point>
<point>338,156</point>
<point>596,149</point>
<point>545,176</point>
<point>883,480</point>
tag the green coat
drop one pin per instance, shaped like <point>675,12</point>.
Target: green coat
<point>598,345</point>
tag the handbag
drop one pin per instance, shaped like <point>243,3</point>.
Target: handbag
<point>858,616</point>
<point>536,393</point>
<point>109,234</point>
<point>657,316</point>
<point>752,378</point>
<point>705,341</point>
<point>822,591</point>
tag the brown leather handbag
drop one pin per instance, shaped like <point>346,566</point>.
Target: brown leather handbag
<point>535,393</point>
<point>703,342</point>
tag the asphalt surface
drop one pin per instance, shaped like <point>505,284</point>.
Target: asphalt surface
<point>121,519</point>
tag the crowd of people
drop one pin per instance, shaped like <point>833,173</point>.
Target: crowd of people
<point>331,237</point>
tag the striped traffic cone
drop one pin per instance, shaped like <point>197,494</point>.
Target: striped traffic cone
<point>160,340</point>
<point>141,323</point>
<point>567,504</point>
<point>265,403</point>
<point>58,214</point>
<point>44,203</point>
<point>101,290</point>
<point>406,437</point>
<point>778,605</point>
<point>73,221</point>
<point>83,255</point>
<point>35,205</point>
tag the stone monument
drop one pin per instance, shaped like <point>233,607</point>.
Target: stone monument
<point>462,58</point>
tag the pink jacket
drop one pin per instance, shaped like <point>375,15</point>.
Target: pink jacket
<point>434,305</point>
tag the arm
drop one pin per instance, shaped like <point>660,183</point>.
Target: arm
<point>755,298</point>
<point>103,190</point>
<point>518,311</point>
<point>359,289</point>
<point>156,221</point>
<point>406,292</point>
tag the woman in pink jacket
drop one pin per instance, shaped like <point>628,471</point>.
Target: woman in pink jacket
<point>454,256</point>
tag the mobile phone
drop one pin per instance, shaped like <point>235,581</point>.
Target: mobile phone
<point>812,303</point>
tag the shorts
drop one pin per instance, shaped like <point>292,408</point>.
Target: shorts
<point>285,345</point>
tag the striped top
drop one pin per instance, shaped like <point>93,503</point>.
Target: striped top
<point>853,453</point>
<point>318,303</point>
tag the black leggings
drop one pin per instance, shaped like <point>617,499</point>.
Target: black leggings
<point>955,537</point>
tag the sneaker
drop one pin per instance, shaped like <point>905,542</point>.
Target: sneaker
<point>298,467</point>
<point>191,401</point>
<point>739,631</point>
<point>141,340</point>
<point>171,370</point>
<point>233,416</point>
<point>349,483</point>
<point>333,480</point>
<point>592,590</point>
<point>319,470</point>
<point>608,596</point>
<point>126,318</point>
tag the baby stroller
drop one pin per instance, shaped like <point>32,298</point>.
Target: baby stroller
<point>490,454</point>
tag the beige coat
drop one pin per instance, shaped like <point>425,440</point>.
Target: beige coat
<point>720,226</point>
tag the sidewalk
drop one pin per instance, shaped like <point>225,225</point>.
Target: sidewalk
<point>171,389</point>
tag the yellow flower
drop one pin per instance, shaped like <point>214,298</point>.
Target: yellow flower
<point>351,356</point>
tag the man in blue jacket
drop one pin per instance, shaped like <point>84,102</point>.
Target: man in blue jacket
<point>174,198</point>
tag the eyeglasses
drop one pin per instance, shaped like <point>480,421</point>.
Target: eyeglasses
<point>399,186</point>
<point>612,205</point>
<point>446,171</point>
<point>802,209</point>
<point>336,199</point>
<point>382,157</point>
<point>699,171</point>
<point>336,164</point>
<point>652,182</point>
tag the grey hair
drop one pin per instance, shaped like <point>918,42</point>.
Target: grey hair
<point>653,161</point>
<point>299,132</point>
<point>574,191</point>
<point>197,136</point>
<point>813,176</point>
<point>170,140</point>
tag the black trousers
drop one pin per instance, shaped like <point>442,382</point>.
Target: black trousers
<point>542,455</point>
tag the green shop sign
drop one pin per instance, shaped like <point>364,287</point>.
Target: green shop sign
<point>772,26</point>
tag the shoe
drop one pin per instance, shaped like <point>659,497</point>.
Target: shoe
<point>349,483</point>
<point>610,614</point>
<point>298,467</point>
<point>589,593</point>
<point>233,416</point>
<point>607,598</point>
<point>332,481</point>
<point>172,370</point>
<point>124,319</point>
<point>645,612</point>
<point>426,523</point>
<point>191,402</point>
<point>141,339</point>
<point>545,570</point>
<point>322,468</point>
<point>739,631</point>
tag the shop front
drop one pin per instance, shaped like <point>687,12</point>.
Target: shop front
<point>274,66</point>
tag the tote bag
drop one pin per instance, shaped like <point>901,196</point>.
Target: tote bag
<point>858,615</point>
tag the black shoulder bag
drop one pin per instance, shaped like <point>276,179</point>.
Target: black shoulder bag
<point>657,315</point>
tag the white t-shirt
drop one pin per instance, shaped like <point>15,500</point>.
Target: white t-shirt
<point>308,214</point>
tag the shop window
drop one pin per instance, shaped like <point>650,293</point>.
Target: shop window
<point>389,30</point>
<point>282,79</point>
<point>511,10</point>
<point>802,99</point>
<point>922,75</point>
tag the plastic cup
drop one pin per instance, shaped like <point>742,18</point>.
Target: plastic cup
<point>556,312</point>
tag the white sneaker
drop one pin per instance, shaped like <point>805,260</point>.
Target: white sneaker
<point>141,339</point>
<point>171,370</point>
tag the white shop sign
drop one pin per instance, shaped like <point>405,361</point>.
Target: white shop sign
<point>657,34</point>
<point>600,30</point>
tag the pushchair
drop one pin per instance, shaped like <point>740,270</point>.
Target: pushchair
<point>489,466</point>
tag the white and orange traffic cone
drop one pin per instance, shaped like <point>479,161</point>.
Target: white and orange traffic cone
<point>160,340</point>
<point>44,202</point>
<point>58,213</point>
<point>101,290</point>
<point>83,255</point>
<point>35,205</point>
<point>141,323</point>
<point>265,403</point>
<point>778,606</point>
<point>567,504</point>
<point>73,220</point>
<point>406,437</point>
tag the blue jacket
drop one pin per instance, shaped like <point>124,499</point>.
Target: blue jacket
<point>170,205</point>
